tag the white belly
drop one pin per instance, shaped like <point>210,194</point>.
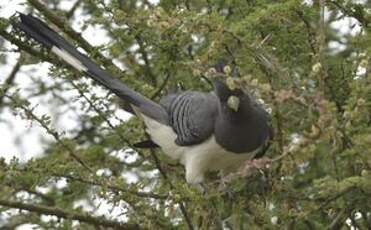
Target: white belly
<point>197,159</point>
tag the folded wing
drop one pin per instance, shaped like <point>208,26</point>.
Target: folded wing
<point>192,116</point>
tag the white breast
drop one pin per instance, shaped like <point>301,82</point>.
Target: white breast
<point>197,159</point>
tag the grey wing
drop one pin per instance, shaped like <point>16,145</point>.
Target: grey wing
<point>192,116</point>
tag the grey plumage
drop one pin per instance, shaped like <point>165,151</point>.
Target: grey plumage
<point>197,128</point>
<point>192,116</point>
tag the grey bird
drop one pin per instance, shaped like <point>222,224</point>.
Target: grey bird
<point>199,129</point>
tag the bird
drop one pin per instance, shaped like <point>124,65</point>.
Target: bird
<point>203,131</point>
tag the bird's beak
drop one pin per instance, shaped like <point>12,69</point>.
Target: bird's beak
<point>233,103</point>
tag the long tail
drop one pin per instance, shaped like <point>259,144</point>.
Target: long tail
<point>43,34</point>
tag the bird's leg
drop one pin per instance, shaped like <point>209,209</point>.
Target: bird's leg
<point>195,170</point>
<point>194,177</point>
<point>250,167</point>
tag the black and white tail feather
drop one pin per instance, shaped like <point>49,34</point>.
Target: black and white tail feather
<point>43,34</point>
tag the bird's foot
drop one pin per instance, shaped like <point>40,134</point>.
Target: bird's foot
<point>257,164</point>
<point>249,168</point>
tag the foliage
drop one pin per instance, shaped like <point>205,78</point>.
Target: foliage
<point>319,96</point>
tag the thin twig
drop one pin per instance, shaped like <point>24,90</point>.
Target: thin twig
<point>10,80</point>
<point>73,9</point>
<point>147,64</point>
<point>100,114</point>
<point>162,86</point>
<point>50,131</point>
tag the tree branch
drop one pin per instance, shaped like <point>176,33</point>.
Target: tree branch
<point>100,221</point>
<point>7,36</point>
<point>115,187</point>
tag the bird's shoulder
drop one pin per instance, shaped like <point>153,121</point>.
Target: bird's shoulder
<point>191,115</point>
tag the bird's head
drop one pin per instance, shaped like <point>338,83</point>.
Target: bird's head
<point>228,92</point>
